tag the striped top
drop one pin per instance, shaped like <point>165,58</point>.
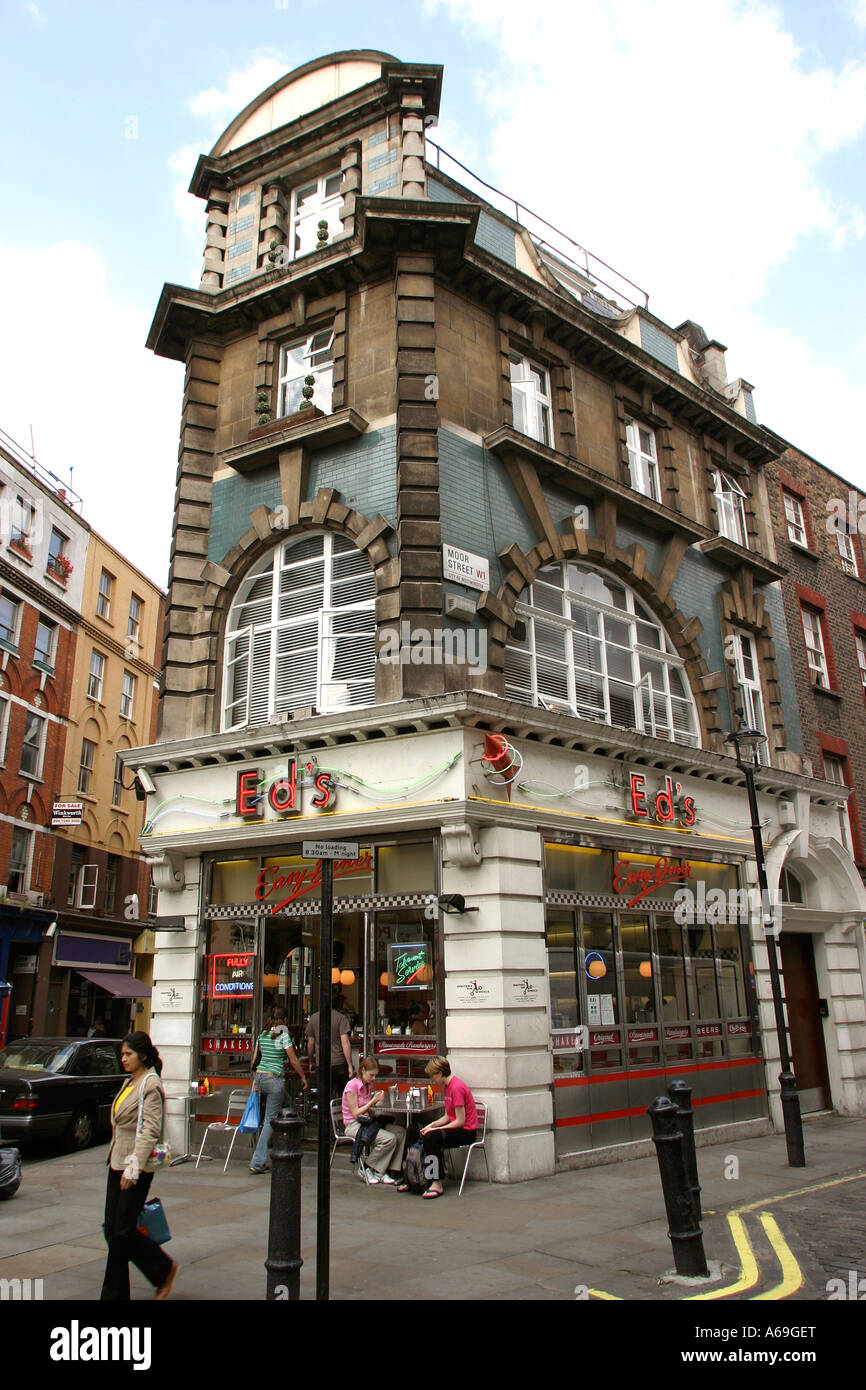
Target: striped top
<point>273,1052</point>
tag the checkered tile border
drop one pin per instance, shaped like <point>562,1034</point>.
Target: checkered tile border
<point>383,902</point>
<point>558,897</point>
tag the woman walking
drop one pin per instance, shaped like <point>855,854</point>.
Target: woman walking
<point>273,1048</point>
<point>128,1183</point>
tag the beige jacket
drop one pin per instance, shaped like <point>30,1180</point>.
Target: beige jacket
<point>128,1153</point>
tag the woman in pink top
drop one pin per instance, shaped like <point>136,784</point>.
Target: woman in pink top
<point>386,1150</point>
<point>458,1126</point>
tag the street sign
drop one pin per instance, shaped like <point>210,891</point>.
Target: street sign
<point>329,849</point>
<point>67,812</point>
<point>462,567</point>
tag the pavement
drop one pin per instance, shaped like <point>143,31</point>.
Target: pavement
<point>770,1232</point>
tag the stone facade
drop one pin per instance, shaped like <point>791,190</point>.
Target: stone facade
<point>448,324</point>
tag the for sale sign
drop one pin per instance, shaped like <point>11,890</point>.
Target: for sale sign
<point>67,812</point>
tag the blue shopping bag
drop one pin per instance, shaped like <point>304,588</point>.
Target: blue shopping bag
<point>153,1223</point>
<point>250,1119</point>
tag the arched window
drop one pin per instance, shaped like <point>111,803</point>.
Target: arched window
<point>594,649</point>
<point>790,886</point>
<point>301,632</point>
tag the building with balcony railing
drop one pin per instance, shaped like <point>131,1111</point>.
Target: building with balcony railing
<point>473,564</point>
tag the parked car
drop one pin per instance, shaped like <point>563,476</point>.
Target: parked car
<point>58,1088</point>
<point>10,1172</point>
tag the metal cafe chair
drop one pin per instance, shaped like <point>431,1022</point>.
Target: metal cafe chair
<point>338,1128</point>
<point>237,1105</point>
<point>481,1108</point>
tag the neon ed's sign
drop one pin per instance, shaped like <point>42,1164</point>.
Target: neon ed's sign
<point>283,794</point>
<point>670,807</point>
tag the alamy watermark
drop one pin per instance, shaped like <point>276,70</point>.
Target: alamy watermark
<point>419,646</point>
<point>703,906</point>
<point>22,1290</point>
<point>853,1289</point>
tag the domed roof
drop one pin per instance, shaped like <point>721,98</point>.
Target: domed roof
<point>304,89</point>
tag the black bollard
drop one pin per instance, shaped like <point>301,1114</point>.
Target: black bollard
<point>685,1234</point>
<point>681,1095</point>
<point>284,1229</point>
<point>792,1119</point>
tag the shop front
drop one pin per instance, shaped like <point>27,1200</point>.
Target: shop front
<point>647,987</point>
<point>261,938</point>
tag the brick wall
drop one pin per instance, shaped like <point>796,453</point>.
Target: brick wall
<point>817,573</point>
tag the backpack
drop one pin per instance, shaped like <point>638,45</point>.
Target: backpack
<point>413,1168</point>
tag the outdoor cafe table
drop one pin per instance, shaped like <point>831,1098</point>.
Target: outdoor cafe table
<point>400,1109</point>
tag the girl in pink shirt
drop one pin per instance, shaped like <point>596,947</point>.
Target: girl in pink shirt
<point>457,1128</point>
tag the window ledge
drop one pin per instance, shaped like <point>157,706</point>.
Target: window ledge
<point>8,647</point>
<point>56,579</point>
<point>317,433</point>
<point>43,666</point>
<point>732,555</point>
<point>19,554</point>
<point>102,618</point>
<point>507,440</point>
<point>832,694</point>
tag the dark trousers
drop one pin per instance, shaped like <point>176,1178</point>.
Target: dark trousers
<point>339,1080</point>
<point>435,1142</point>
<point>125,1242</point>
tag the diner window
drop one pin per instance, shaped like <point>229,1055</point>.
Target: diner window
<point>847,553</point>
<point>703,989</point>
<point>311,356</point>
<point>32,746</point>
<point>749,694</point>
<point>836,771</point>
<point>672,980</point>
<point>97,675</point>
<point>731,509</point>
<point>103,598</point>
<point>594,649</point>
<point>44,646</point>
<point>10,614</point>
<point>85,766</point>
<point>301,633</point>
<point>816,655</point>
<point>643,460</point>
<point>795,519</point>
<point>530,399</point>
<point>565,1009</point>
<point>602,994</point>
<point>18,876</point>
<point>127,695</point>
<point>229,997</point>
<point>133,622</point>
<point>320,200</point>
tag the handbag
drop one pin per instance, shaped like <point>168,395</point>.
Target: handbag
<point>160,1154</point>
<point>152,1222</point>
<point>250,1119</point>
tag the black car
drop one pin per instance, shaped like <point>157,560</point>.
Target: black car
<point>58,1088</point>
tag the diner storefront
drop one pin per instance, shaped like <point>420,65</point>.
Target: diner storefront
<point>645,987</point>
<point>261,949</point>
<point>573,925</point>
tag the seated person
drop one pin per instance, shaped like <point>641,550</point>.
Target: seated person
<point>457,1127</point>
<point>386,1151</point>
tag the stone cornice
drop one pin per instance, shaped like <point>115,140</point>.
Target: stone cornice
<point>470,710</point>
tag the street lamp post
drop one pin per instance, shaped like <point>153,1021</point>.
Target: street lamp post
<point>747,741</point>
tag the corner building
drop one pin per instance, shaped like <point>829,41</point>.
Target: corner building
<point>472,561</point>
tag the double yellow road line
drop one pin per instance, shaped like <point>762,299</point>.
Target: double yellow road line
<point>750,1273</point>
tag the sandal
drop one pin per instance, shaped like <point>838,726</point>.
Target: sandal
<point>430,1193</point>
<point>402,1187</point>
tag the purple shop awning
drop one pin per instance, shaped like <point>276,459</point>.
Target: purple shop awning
<point>121,986</point>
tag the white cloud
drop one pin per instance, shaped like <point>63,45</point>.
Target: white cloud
<point>99,403</point>
<point>221,104</point>
<point>687,145</point>
<point>36,13</point>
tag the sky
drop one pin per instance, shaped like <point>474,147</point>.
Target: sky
<point>715,154</point>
